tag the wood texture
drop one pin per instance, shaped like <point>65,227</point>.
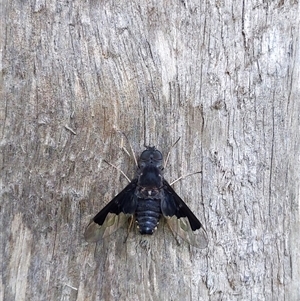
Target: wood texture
<point>222,75</point>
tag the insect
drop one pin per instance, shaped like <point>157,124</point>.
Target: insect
<point>147,199</point>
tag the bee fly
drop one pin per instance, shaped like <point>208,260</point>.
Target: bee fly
<point>147,199</point>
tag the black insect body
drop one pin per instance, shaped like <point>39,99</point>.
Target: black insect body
<point>149,193</point>
<point>147,198</point>
<point>148,214</point>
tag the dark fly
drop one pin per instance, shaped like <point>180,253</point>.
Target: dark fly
<point>146,199</point>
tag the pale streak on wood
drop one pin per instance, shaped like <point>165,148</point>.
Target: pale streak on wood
<point>71,130</point>
<point>19,262</point>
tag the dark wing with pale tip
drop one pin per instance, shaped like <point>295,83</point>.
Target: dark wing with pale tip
<point>113,215</point>
<point>174,205</point>
<point>181,219</point>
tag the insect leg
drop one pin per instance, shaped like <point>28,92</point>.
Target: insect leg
<point>118,170</point>
<point>167,159</point>
<point>134,157</point>
<point>126,151</point>
<point>184,176</point>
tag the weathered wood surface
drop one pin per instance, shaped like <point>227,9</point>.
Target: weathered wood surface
<point>223,75</point>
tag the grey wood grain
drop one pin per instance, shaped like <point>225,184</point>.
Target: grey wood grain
<point>222,75</point>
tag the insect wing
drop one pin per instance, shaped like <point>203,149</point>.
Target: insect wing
<point>181,219</point>
<point>172,204</point>
<point>181,228</point>
<point>113,215</point>
<point>112,222</point>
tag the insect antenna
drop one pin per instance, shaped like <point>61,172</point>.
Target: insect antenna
<point>167,159</point>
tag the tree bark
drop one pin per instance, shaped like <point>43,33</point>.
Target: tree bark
<point>222,75</point>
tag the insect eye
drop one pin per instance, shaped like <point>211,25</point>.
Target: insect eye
<point>157,155</point>
<point>151,155</point>
<point>145,156</point>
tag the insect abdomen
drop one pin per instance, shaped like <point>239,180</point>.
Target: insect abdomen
<point>147,214</point>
